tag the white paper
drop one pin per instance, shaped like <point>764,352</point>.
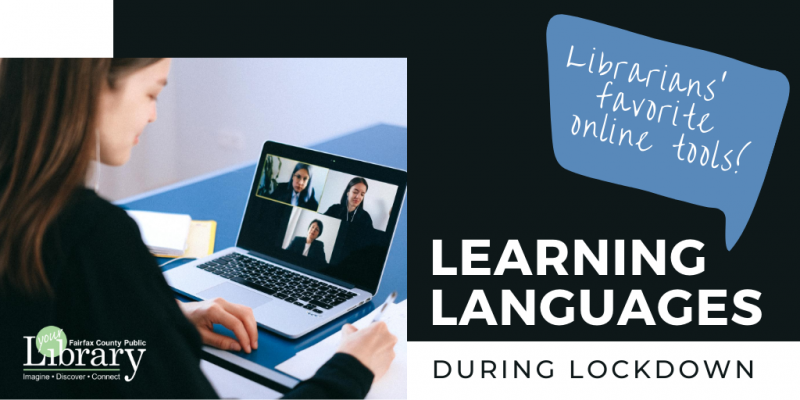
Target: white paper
<point>391,386</point>
<point>163,233</point>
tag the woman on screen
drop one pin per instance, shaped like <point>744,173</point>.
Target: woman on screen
<point>298,191</point>
<point>351,207</point>
<point>309,246</point>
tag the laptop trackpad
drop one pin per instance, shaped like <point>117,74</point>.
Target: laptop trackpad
<point>235,294</point>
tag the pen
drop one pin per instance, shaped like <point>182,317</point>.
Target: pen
<point>389,300</point>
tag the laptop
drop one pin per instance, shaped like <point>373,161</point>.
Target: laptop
<point>312,244</point>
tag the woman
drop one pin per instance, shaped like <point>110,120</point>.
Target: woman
<point>298,191</point>
<point>351,206</point>
<point>73,260</point>
<point>309,246</point>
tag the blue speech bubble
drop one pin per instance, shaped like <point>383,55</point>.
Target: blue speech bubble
<point>690,125</point>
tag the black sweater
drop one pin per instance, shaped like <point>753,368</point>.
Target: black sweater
<point>108,287</point>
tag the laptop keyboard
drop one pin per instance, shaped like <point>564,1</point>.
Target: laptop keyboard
<point>281,283</point>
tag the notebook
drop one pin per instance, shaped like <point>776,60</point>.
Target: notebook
<point>200,242</point>
<point>163,233</point>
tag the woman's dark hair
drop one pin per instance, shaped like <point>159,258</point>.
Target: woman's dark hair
<point>352,183</point>
<point>306,194</point>
<point>319,225</point>
<point>48,109</point>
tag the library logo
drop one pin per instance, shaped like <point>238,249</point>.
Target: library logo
<point>79,359</point>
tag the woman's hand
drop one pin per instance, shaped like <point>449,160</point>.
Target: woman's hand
<point>373,346</point>
<point>238,318</point>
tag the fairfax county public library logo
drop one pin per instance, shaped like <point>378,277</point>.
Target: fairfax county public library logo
<point>79,360</point>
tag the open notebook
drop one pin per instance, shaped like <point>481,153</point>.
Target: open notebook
<point>175,235</point>
<point>163,233</point>
<point>200,242</point>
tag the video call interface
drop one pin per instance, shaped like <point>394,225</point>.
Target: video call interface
<point>320,219</point>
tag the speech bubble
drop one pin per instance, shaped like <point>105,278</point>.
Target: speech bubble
<point>704,136</point>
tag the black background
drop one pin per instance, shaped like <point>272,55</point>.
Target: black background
<point>481,147</point>
<point>247,28</point>
<point>483,143</point>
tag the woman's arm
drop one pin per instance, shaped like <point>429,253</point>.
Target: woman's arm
<point>116,291</point>
<point>363,357</point>
<point>342,377</point>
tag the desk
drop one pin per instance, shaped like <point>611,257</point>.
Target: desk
<point>222,196</point>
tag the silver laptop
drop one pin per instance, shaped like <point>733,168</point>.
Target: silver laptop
<point>312,244</point>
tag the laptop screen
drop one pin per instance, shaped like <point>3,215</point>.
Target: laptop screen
<point>326,215</point>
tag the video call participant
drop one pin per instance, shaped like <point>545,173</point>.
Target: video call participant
<point>358,243</point>
<point>298,191</point>
<point>309,246</point>
<point>351,207</point>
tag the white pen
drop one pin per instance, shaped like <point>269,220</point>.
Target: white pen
<point>386,303</point>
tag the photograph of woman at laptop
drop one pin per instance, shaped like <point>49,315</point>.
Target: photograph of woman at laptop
<point>71,259</point>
